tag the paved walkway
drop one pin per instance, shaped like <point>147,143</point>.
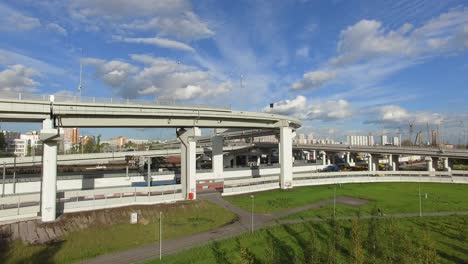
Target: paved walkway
<point>242,225</point>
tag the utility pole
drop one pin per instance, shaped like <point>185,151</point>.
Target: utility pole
<point>334,202</point>
<point>420,201</point>
<point>160,235</point>
<point>253,204</point>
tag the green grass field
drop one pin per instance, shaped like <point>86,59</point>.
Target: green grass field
<point>408,240</point>
<point>179,220</point>
<point>389,197</point>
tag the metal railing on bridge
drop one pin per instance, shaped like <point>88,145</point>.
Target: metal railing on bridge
<point>104,100</point>
<point>28,205</point>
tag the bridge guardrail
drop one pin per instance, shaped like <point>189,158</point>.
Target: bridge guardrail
<point>27,205</point>
<point>101,100</point>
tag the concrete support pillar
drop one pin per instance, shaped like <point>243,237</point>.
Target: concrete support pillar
<point>269,158</point>
<point>375,163</point>
<point>435,163</point>
<point>369,163</point>
<point>314,155</point>
<point>323,154</point>
<point>286,159</point>
<point>348,157</point>
<point>188,160</point>
<point>308,156</point>
<point>259,159</point>
<point>217,156</point>
<point>429,164</point>
<point>49,136</point>
<point>446,164</point>
<point>395,162</point>
<point>148,173</point>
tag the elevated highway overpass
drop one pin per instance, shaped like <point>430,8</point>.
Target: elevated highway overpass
<point>61,112</point>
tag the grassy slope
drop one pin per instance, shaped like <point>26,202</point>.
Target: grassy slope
<point>390,197</point>
<point>291,240</point>
<point>180,221</point>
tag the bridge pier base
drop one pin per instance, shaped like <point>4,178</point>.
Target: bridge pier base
<point>217,156</point>
<point>369,162</point>
<point>429,163</point>
<point>435,163</point>
<point>375,163</point>
<point>286,157</point>
<point>49,136</point>
<point>188,161</point>
<point>348,157</point>
<point>446,164</point>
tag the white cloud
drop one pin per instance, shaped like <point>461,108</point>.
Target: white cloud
<point>18,78</point>
<point>161,42</point>
<point>160,77</point>
<point>294,107</point>
<point>118,9</point>
<point>367,52</point>
<point>393,114</point>
<point>57,28</point>
<point>314,79</point>
<point>302,52</point>
<point>168,18</point>
<point>12,20</point>
<point>186,26</point>
<point>367,39</point>
<point>320,110</point>
<point>9,58</point>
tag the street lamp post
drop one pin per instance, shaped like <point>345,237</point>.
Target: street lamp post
<point>420,202</point>
<point>334,202</point>
<point>160,235</point>
<point>253,204</point>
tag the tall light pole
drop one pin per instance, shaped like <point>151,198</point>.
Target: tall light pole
<point>160,235</point>
<point>334,202</point>
<point>253,204</point>
<point>420,201</point>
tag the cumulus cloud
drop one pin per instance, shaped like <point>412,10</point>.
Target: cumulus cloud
<point>320,110</point>
<point>368,46</point>
<point>57,28</point>
<point>160,77</point>
<point>161,42</point>
<point>185,26</point>
<point>314,79</point>
<point>118,9</point>
<point>18,78</point>
<point>394,114</point>
<point>12,20</point>
<point>174,19</point>
<point>289,107</point>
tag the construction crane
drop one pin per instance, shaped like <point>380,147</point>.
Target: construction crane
<point>418,140</point>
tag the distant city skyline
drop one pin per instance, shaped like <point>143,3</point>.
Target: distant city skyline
<point>343,67</point>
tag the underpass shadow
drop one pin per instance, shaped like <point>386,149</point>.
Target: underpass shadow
<point>4,245</point>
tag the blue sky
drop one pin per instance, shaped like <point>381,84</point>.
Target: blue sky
<point>343,67</point>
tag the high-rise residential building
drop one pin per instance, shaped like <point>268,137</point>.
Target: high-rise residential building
<point>396,141</point>
<point>360,140</point>
<point>384,140</point>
